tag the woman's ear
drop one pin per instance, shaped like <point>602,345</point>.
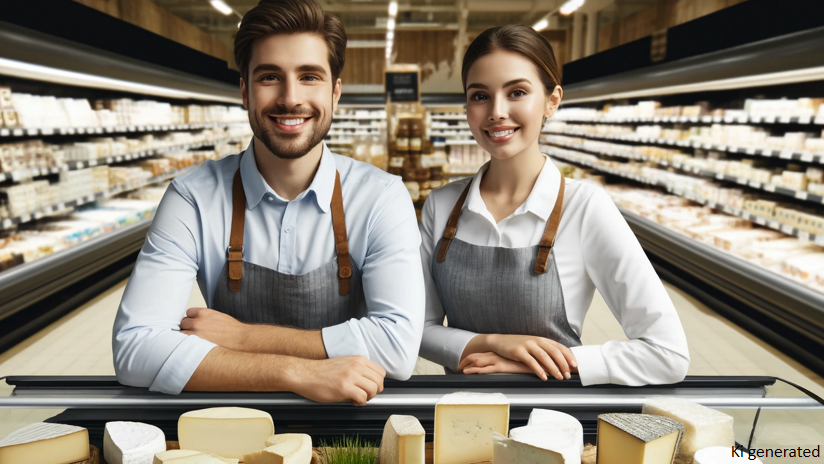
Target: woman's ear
<point>553,100</point>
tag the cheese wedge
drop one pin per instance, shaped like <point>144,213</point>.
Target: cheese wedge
<point>637,439</point>
<point>287,448</point>
<point>703,427</point>
<point>561,420</point>
<point>228,432</point>
<point>44,443</point>
<point>464,423</point>
<point>403,441</point>
<point>132,443</point>
<point>510,451</point>
<point>190,457</point>
<point>722,455</point>
<point>550,437</point>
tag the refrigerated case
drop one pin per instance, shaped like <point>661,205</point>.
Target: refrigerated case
<point>768,412</point>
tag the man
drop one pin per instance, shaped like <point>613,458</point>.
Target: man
<point>304,297</point>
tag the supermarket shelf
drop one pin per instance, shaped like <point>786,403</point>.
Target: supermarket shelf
<point>760,220</point>
<point>353,117</point>
<point>767,187</point>
<point>354,126</point>
<point>454,127</point>
<point>699,120</point>
<point>52,131</point>
<point>785,313</point>
<point>11,222</point>
<point>790,155</point>
<point>28,173</point>
<point>449,117</point>
<point>461,142</point>
<point>448,132</point>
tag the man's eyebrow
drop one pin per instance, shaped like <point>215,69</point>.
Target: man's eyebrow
<point>477,86</point>
<point>312,68</point>
<point>266,67</point>
<point>302,68</point>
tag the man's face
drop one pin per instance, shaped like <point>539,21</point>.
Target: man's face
<point>290,94</point>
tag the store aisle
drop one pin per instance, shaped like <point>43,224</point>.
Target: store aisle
<point>80,343</point>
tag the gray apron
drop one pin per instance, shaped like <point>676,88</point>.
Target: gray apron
<point>487,289</point>
<point>329,295</point>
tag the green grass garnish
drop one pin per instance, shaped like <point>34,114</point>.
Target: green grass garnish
<point>348,450</point>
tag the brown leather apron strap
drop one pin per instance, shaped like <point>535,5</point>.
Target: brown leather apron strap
<point>548,240</point>
<point>235,251</point>
<point>341,240</point>
<point>452,224</point>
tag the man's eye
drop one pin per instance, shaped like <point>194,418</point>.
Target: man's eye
<point>269,78</point>
<point>311,78</point>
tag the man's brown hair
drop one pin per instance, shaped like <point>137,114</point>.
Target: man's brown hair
<point>289,17</point>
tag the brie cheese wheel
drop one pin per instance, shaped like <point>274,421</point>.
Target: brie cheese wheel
<point>403,441</point>
<point>464,423</point>
<point>552,438</point>
<point>190,457</point>
<point>703,427</point>
<point>287,448</point>
<point>44,443</point>
<point>561,420</point>
<point>227,432</point>
<point>132,443</point>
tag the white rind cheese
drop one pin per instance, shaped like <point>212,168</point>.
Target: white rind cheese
<point>287,448</point>
<point>44,443</point>
<point>227,432</point>
<point>190,457</point>
<point>703,427</point>
<point>550,437</point>
<point>132,443</point>
<point>464,423</point>
<point>561,420</point>
<point>510,451</point>
<point>403,441</point>
<point>722,455</point>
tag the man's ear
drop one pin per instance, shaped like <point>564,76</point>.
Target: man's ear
<point>244,93</point>
<point>336,94</point>
<point>553,100</point>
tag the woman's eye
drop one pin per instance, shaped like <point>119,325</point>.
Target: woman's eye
<point>518,93</point>
<point>478,97</point>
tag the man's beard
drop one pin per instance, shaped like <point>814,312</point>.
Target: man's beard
<point>288,146</point>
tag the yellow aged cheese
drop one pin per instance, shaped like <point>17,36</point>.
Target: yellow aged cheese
<point>44,443</point>
<point>287,448</point>
<point>228,432</point>
<point>190,457</point>
<point>637,439</point>
<point>403,441</point>
<point>464,423</point>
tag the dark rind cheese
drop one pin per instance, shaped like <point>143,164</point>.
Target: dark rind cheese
<point>645,427</point>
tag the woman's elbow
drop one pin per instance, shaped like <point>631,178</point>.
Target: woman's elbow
<point>677,368</point>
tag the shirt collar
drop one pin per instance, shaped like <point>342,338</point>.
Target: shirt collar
<point>256,188</point>
<point>541,199</point>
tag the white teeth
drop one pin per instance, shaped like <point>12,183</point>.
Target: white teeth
<point>290,122</point>
<point>501,134</point>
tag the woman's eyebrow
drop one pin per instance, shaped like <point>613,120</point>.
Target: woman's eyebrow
<point>517,81</point>
<point>507,84</point>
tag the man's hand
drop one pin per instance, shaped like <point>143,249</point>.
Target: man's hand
<point>216,327</point>
<point>491,363</point>
<point>541,355</point>
<point>348,378</point>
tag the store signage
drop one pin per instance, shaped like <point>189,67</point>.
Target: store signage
<point>402,87</point>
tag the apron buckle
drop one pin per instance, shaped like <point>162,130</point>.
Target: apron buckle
<point>229,253</point>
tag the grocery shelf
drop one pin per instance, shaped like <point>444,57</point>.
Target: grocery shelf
<point>802,195</point>
<point>760,220</point>
<point>449,117</point>
<point>699,120</point>
<point>347,117</point>
<point>63,131</point>
<point>461,142</point>
<point>789,315</point>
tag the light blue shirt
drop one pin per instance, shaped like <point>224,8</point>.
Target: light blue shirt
<point>188,239</point>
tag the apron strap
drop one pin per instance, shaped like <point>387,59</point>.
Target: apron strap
<point>235,251</point>
<point>452,224</point>
<point>341,240</point>
<point>548,240</point>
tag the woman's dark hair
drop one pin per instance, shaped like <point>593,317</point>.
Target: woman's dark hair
<point>516,38</point>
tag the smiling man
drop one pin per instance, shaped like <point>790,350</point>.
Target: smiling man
<point>303,297</point>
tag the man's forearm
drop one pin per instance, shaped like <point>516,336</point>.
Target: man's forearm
<point>271,339</point>
<point>227,370</point>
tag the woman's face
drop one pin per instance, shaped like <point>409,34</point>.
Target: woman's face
<point>506,103</point>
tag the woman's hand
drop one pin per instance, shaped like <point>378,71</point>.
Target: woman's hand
<point>540,355</point>
<point>491,363</point>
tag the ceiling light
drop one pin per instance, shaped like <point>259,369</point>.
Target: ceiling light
<point>541,25</point>
<point>570,6</point>
<point>221,6</point>
<point>393,8</point>
<point>390,35</point>
<point>390,24</point>
<point>61,76</point>
<point>238,24</point>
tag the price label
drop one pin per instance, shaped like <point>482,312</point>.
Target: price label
<point>804,236</point>
<point>750,151</point>
<point>786,154</point>
<point>93,163</point>
<point>805,119</point>
<point>109,160</point>
<point>787,229</point>
<point>769,187</point>
<point>128,157</point>
<point>6,223</point>
<point>760,220</point>
<point>118,158</point>
<point>819,240</point>
<point>729,119</point>
<point>801,194</point>
<point>721,148</point>
<point>755,184</point>
<point>807,157</point>
<point>25,218</point>
<point>770,119</point>
<point>17,132</point>
<point>774,225</point>
<point>60,206</point>
<point>741,181</point>
<point>717,119</point>
<point>784,120</point>
<point>733,149</point>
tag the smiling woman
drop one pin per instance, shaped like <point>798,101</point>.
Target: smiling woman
<point>516,279</point>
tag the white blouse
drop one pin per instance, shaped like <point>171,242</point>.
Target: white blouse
<point>594,248</point>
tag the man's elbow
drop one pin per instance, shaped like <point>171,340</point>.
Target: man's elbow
<point>130,367</point>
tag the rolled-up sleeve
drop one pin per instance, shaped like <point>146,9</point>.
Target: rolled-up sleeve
<point>390,334</point>
<point>656,352</point>
<point>440,344</point>
<point>148,348</point>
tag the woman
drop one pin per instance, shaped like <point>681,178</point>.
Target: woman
<point>513,255</point>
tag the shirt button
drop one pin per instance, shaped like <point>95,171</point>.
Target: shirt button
<point>270,198</point>
<point>287,230</point>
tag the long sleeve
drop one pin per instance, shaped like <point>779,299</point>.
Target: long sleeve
<point>149,350</point>
<point>390,334</point>
<point>656,352</point>
<point>440,344</point>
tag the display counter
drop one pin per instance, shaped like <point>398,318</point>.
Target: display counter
<point>768,412</point>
